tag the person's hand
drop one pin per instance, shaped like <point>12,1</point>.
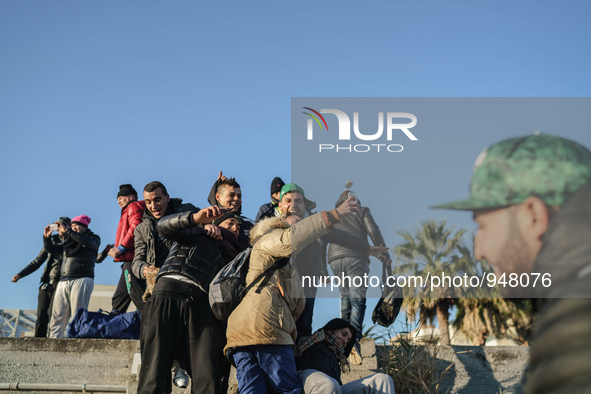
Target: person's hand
<point>213,231</point>
<point>376,250</point>
<point>348,208</point>
<point>387,263</point>
<point>207,215</point>
<point>222,177</point>
<point>114,252</point>
<point>147,269</point>
<point>16,278</point>
<point>108,247</point>
<point>47,232</point>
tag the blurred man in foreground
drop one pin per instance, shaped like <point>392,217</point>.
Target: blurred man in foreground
<point>531,199</point>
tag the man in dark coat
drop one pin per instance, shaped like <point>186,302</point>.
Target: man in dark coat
<point>151,249</point>
<point>531,199</point>
<point>49,279</point>
<point>321,357</point>
<point>345,261</point>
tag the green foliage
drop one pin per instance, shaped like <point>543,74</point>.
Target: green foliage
<point>414,369</point>
<point>433,248</point>
<point>481,311</point>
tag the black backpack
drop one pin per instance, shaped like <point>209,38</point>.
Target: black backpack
<point>228,287</point>
<point>388,306</point>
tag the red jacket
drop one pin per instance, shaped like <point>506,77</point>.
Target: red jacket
<point>131,216</point>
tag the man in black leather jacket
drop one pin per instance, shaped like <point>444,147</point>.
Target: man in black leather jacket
<point>151,249</point>
<point>349,262</point>
<point>79,252</point>
<point>49,279</point>
<point>178,322</point>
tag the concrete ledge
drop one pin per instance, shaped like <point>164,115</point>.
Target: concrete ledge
<point>474,370</point>
<point>67,361</point>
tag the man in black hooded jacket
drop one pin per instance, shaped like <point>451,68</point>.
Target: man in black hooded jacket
<point>227,194</point>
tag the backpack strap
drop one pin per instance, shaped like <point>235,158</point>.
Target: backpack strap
<point>266,275</point>
<point>269,272</point>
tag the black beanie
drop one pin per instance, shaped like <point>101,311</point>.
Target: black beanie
<point>276,185</point>
<point>337,323</point>
<point>126,190</point>
<point>226,216</point>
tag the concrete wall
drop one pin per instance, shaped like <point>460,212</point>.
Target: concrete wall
<point>474,370</point>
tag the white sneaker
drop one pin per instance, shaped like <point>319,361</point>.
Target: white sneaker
<point>181,379</point>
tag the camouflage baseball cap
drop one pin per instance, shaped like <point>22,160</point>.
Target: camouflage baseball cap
<point>545,166</point>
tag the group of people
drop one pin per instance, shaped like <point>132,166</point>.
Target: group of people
<point>181,247</point>
<point>530,197</point>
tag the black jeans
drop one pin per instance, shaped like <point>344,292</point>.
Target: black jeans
<point>304,322</point>
<point>44,304</point>
<point>130,288</point>
<point>179,324</point>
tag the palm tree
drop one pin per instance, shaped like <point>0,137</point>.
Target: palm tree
<point>428,251</point>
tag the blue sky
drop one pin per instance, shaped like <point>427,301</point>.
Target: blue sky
<point>96,94</point>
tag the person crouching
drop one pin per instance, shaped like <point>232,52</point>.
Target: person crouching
<point>322,357</point>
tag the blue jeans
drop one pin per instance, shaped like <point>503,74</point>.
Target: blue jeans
<point>259,365</point>
<point>352,297</point>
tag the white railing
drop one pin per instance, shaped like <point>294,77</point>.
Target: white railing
<point>15,321</point>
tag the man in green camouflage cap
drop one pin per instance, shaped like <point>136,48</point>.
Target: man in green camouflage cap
<point>531,199</point>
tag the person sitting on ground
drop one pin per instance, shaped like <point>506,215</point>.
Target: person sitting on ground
<point>321,357</point>
<point>268,210</point>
